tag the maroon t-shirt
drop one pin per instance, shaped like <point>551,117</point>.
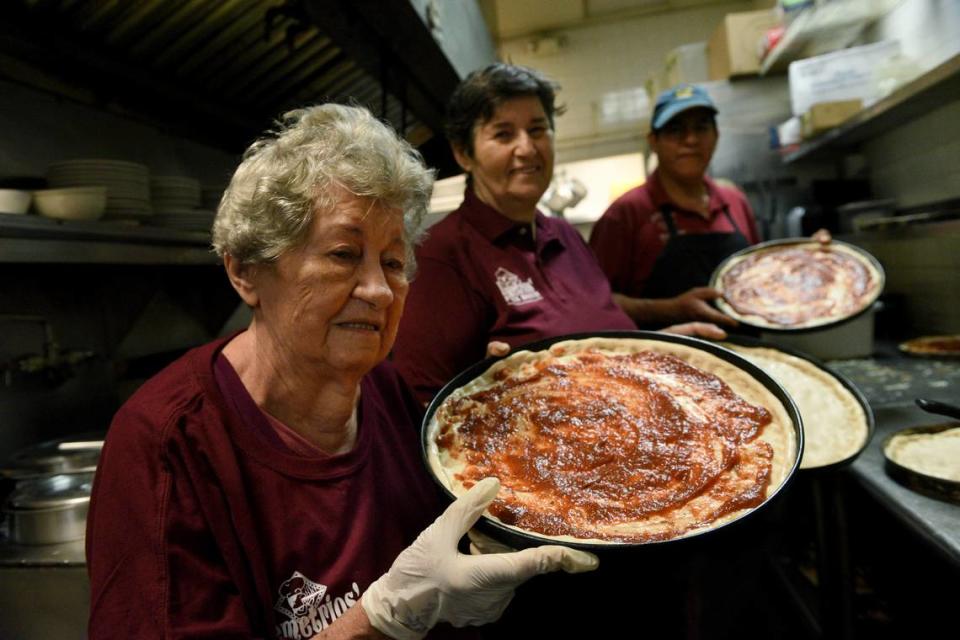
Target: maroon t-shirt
<point>202,525</point>
<point>481,277</point>
<point>630,235</point>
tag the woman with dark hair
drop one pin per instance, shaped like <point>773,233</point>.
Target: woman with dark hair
<point>496,269</point>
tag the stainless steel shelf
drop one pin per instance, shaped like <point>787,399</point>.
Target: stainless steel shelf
<point>32,239</point>
<point>937,87</point>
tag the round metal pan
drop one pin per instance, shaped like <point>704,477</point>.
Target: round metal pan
<point>904,348</point>
<point>931,486</point>
<point>786,242</point>
<point>843,380</point>
<point>519,539</point>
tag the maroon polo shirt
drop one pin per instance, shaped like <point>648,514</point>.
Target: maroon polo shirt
<point>482,277</point>
<point>203,524</point>
<point>629,237</point>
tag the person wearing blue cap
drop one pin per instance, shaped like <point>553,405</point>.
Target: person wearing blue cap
<point>659,242</point>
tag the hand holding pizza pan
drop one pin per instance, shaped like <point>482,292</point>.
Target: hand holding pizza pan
<point>797,284</point>
<point>616,440</point>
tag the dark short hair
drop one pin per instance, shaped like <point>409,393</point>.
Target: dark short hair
<point>479,94</point>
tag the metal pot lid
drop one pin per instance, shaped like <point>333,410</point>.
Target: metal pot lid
<point>51,492</point>
<point>75,454</point>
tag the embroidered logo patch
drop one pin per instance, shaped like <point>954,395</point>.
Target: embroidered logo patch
<point>514,290</point>
<point>308,607</point>
<point>298,593</point>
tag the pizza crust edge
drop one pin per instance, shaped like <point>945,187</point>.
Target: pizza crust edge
<point>761,322</point>
<point>779,433</point>
<point>835,425</point>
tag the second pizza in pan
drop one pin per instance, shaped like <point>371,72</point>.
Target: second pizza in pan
<point>791,285</point>
<point>836,422</point>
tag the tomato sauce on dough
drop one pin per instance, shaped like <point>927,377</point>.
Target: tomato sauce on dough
<point>789,287</point>
<point>586,446</point>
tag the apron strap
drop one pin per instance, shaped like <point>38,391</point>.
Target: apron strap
<point>736,229</point>
<point>668,219</point>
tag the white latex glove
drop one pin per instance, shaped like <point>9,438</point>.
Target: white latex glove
<point>431,581</point>
<point>481,544</point>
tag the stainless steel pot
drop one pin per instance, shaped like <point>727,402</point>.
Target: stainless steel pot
<point>49,510</point>
<point>65,455</point>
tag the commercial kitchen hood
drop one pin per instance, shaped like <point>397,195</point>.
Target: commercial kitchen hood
<point>220,72</point>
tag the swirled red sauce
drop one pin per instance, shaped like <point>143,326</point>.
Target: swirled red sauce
<point>791,287</point>
<point>588,444</point>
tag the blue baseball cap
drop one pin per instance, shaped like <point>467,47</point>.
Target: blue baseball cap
<point>676,100</point>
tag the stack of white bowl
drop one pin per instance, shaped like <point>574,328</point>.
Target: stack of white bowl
<point>14,201</point>
<point>127,183</point>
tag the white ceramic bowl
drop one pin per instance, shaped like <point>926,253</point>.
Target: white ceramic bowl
<point>74,203</point>
<point>14,201</point>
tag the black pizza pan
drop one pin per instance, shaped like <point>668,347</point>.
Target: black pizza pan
<point>930,486</point>
<point>738,529</point>
<point>787,242</point>
<point>904,348</point>
<point>745,341</point>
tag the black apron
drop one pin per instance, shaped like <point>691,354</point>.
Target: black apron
<point>688,260</point>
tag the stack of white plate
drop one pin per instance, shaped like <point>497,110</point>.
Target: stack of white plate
<point>174,192</point>
<point>127,183</point>
<point>186,219</point>
<point>210,196</point>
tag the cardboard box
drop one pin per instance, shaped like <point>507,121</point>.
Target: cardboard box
<point>827,115</point>
<point>733,49</point>
<point>848,74</point>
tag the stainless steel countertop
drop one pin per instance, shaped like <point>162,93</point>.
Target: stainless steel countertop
<point>67,554</point>
<point>937,522</point>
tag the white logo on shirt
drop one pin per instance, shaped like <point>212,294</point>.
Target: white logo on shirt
<point>308,613</point>
<point>514,290</point>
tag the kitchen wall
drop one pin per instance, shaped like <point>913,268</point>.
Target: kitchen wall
<point>922,265</point>
<point>37,129</point>
<point>603,69</point>
<point>917,162</point>
<point>128,321</point>
<point>608,178</point>
<point>123,315</point>
<point>611,61</point>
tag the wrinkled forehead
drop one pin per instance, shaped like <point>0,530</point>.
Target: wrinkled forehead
<point>361,216</point>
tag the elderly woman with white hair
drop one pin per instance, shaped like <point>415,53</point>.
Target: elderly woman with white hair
<point>269,484</point>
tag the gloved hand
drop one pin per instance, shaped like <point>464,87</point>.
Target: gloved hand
<point>431,581</point>
<point>481,544</point>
